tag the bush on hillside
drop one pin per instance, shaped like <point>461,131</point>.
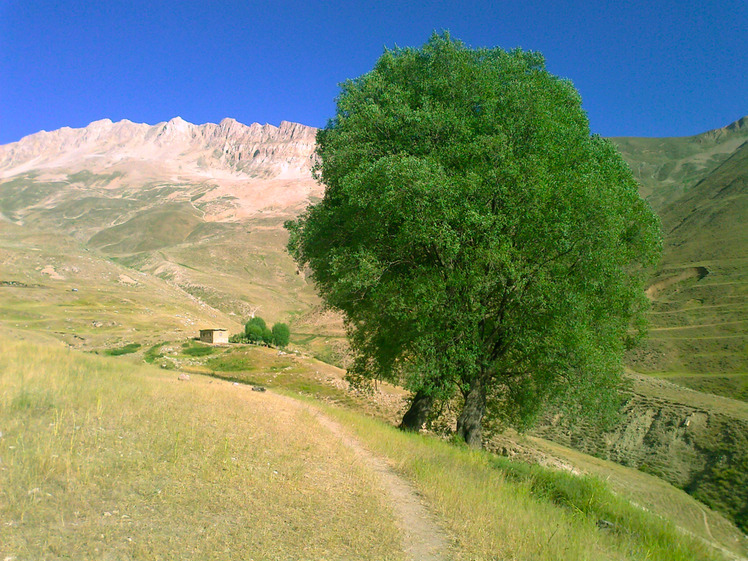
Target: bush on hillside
<point>281,334</point>
<point>257,331</point>
<point>253,333</point>
<point>257,321</point>
<point>267,336</point>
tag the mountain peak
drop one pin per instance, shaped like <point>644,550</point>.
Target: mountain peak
<point>178,122</point>
<point>228,121</point>
<point>740,124</point>
<point>229,149</point>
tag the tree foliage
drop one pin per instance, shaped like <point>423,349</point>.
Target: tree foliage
<point>281,334</point>
<point>256,321</point>
<point>476,236</point>
<point>256,331</point>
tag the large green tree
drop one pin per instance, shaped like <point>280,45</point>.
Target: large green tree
<point>476,237</point>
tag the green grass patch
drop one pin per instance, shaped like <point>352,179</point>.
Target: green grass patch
<point>196,349</point>
<point>201,350</point>
<point>31,400</point>
<point>153,354</point>
<point>127,349</point>
<point>231,362</point>
<point>592,499</point>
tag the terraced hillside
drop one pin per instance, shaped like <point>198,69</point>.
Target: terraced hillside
<point>699,334</point>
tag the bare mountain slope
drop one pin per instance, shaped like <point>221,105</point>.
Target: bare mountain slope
<point>200,206</point>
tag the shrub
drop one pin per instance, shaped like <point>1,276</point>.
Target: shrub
<point>267,336</point>
<point>258,321</point>
<point>253,333</point>
<point>127,349</point>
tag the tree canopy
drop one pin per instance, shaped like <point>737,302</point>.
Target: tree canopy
<point>281,334</point>
<point>475,236</point>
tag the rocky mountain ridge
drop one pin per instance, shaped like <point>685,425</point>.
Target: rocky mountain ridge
<point>235,170</point>
<point>209,150</point>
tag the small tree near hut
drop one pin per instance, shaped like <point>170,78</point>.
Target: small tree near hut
<point>254,329</point>
<point>281,335</point>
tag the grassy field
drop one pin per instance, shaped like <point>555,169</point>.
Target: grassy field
<point>689,448</point>
<point>734,385</point>
<point>104,459</point>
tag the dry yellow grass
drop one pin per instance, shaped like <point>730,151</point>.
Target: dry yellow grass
<point>103,460</point>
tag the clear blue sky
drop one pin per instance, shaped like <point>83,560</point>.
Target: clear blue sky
<point>644,68</point>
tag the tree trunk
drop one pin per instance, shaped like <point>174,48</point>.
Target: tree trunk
<point>418,413</point>
<point>471,418</point>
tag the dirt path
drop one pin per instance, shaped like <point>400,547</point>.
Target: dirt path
<point>706,525</point>
<point>423,540</point>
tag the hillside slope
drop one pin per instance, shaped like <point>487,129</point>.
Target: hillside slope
<point>667,168</point>
<point>201,207</point>
<point>700,295</point>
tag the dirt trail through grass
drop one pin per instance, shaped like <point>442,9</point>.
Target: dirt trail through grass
<point>423,540</point>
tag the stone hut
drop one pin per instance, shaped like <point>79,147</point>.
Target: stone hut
<point>214,336</point>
